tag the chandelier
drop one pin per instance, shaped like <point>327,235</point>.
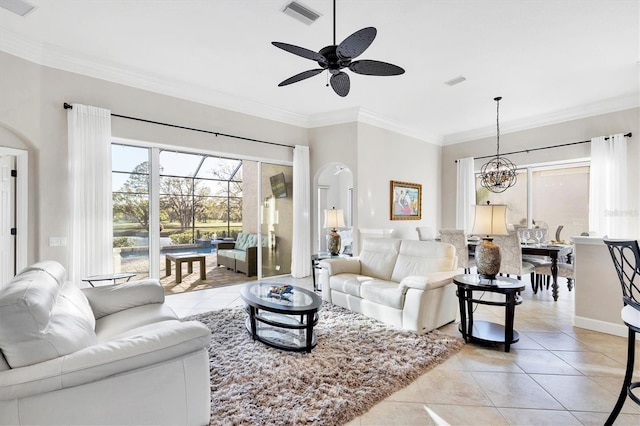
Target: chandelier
<point>499,173</point>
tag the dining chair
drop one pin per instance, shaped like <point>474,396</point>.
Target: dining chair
<point>511,254</point>
<point>459,241</point>
<point>425,233</point>
<point>543,275</point>
<point>626,260</point>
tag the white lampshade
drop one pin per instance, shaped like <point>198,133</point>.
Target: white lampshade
<point>490,219</point>
<point>334,218</point>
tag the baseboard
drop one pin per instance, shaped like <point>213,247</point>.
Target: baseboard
<point>601,326</point>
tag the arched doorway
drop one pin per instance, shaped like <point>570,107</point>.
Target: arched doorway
<point>334,189</point>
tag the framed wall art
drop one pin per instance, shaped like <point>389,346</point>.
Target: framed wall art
<point>406,201</point>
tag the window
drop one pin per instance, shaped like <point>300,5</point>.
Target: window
<point>547,195</point>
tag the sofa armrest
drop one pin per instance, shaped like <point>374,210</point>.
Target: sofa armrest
<point>109,299</point>
<point>341,266</point>
<point>153,344</point>
<point>427,282</point>
<point>226,246</point>
<point>252,254</point>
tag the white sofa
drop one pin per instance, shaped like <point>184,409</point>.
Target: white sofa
<point>114,354</point>
<point>405,283</point>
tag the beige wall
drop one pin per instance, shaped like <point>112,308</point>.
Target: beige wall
<point>384,156</point>
<point>328,146</point>
<point>377,156</point>
<point>598,298</point>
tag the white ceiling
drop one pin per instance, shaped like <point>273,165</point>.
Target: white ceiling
<point>550,60</point>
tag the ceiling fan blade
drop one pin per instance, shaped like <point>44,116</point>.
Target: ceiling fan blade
<point>368,67</point>
<point>340,83</point>
<point>356,43</point>
<point>300,51</point>
<point>301,76</point>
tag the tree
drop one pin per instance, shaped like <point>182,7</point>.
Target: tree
<point>132,200</point>
<point>232,211</point>
<point>183,199</point>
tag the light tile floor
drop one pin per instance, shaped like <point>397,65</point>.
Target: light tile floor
<point>557,374</point>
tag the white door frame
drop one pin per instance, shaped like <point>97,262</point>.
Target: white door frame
<point>22,203</point>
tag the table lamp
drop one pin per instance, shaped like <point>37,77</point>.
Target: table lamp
<point>334,219</point>
<point>490,219</point>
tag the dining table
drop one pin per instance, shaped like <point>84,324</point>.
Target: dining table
<point>552,251</point>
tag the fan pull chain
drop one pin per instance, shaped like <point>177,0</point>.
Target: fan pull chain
<point>327,78</point>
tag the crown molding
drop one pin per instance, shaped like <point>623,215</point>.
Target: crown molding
<point>58,58</point>
<point>378,120</point>
<point>588,110</point>
<point>330,118</point>
<point>356,114</point>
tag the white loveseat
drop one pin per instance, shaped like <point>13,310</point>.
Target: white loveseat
<point>405,283</point>
<point>107,355</point>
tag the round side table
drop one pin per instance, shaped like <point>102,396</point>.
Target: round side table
<point>485,331</point>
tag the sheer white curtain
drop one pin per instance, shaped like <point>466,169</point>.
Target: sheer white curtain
<point>465,194</point>
<point>608,213</point>
<point>91,225</point>
<point>301,250</point>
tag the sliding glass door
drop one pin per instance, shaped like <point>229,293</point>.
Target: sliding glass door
<point>192,202</point>
<point>276,225</point>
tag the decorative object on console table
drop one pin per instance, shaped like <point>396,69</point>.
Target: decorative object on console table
<point>498,174</point>
<point>334,219</point>
<point>490,219</point>
<point>406,201</point>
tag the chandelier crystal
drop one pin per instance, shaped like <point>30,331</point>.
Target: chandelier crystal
<point>499,173</point>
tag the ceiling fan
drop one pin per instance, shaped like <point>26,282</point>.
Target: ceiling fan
<point>336,57</point>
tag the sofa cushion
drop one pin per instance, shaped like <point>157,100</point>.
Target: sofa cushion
<point>40,321</point>
<point>240,255</point>
<point>51,267</point>
<point>422,258</point>
<point>230,253</point>
<point>387,293</point>
<point>348,283</point>
<point>71,292</point>
<point>252,241</point>
<point>378,256</point>
<point>241,241</point>
<point>121,324</point>
<point>109,299</point>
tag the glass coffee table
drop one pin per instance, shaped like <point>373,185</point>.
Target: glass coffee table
<point>281,316</point>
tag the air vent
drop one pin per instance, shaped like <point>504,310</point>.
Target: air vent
<point>455,81</point>
<point>18,7</point>
<point>299,11</point>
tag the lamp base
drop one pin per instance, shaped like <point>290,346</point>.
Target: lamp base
<point>488,259</point>
<point>334,243</point>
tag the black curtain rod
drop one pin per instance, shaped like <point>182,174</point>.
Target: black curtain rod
<point>69,106</point>
<point>628,135</point>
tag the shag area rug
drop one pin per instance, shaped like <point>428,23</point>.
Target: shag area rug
<point>357,363</point>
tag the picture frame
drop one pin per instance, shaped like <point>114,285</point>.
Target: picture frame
<point>405,201</point>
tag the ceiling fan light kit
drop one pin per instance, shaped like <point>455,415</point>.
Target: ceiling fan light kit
<point>335,58</point>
